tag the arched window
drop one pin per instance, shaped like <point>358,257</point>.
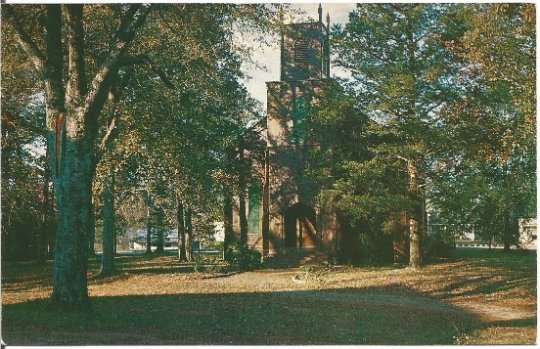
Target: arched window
<point>300,114</point>
<point>300,51</point>
<point>254,203</point>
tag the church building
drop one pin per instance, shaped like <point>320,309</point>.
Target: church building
<point>282,209</point>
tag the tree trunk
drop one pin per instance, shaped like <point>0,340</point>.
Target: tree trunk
<point>189,233</point>
<point>51,226</point>
<point>160,241</point>
<point>107,260</point>
<point>266,206</point>
<point>91,230</point>
<point>43,234</point>
<point>115,242</point>
<point>41,245</point>
<point>74,188</point>
<point>72,162</point>
<point>227,222</point>
<point>415,257</point>
<point>507,234</point>
<point>242,197</point>
<point>399,239</point>
<point>148,231</point>
<point>181,231</point>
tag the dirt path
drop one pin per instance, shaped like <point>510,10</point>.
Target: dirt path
<point>485,311</point>
<point>408,301</point>
<point>493,312</point>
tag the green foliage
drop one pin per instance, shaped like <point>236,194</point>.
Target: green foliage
<point>316,271</point>
<point>368,189</point>
<point>218,245</point>
<point>438,92</point>
<point>486,172</point>
<point>450,86</point>
<point>173,105</point>
<point>439,246</point>
<point>401,73</point>
<point>27,202</point>
<point>243,257</point>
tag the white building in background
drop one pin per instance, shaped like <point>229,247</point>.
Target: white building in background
<point>137,238</point>
<point>527,233</point>
<point>464,232</point>
<point>219,231</point>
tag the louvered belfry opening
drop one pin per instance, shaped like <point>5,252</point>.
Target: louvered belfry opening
<point>303,55</point>
<point>301,52</point>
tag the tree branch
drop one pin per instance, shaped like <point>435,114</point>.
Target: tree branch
<point>76,85</point>
<point>145,59</point>
<point>114,117</point>
<point>95,98</point>
<point>105,141</point>
<point>25,41</point>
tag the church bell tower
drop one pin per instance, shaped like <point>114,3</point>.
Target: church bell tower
<point>291,217</point>
<point>305,50</point>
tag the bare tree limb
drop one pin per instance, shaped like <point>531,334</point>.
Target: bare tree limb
<point>25,40</point>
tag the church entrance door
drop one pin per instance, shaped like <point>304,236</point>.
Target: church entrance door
<point>300,230</point>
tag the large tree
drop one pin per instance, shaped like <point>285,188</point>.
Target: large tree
<point>79,65</point>
<point>73,104</point>
<point>401,71</point>
<point>487,155</point>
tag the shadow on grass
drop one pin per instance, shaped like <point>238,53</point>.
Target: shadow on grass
<point>485,257</point>
<point>493,271</point>
<point>336,316</point>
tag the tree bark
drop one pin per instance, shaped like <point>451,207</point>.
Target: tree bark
<point>160,241</point>
<point>242,196</point>
<point>41,242</point>
<point>107,260</point>
<point>148,231</point>
<point>52,224</point>
<point>227,222</point>
<point>189,233</point>
<point>507,234</point>
<point>181,230</point>
<point>73,192</point>
<point>73,178</point>
<point>415,257</point>
<point>266,205</point>
<point>91,230</point>
<point>43,235</point>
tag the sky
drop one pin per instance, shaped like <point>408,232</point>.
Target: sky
<point>267,57</point>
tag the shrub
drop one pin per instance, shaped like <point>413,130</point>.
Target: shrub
<point>218,245</point>
<point>216,268</point>
<point>316,270</point>
<point>242,256</point>
<point>437,246</point>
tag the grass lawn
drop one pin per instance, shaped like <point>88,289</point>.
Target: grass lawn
<point>476,297</point>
